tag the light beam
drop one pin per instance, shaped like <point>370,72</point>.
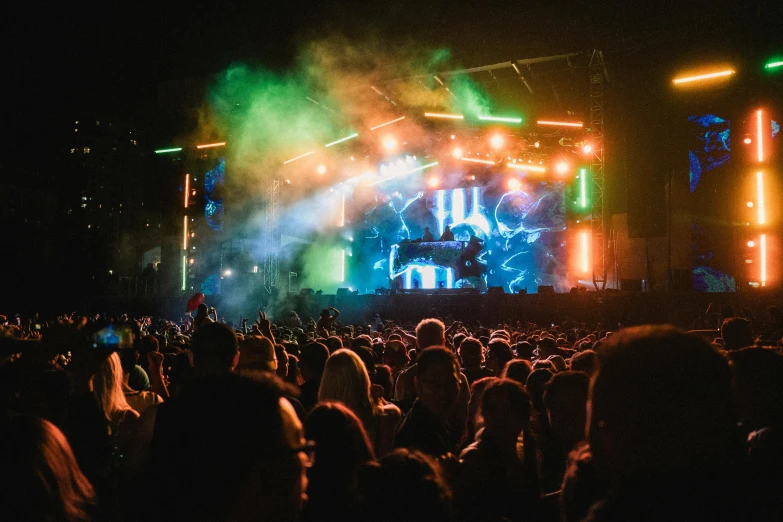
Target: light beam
<point>688,79</point>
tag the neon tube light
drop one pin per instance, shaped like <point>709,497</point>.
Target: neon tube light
<point>760,135</point>
<point>417,169</point>
<point>298,157</point>
<point>583,187</point>
<point>760,197</point>
<point>352,136</point>
<point>165,151</point>
<point>584,252</point>
<point>561,123</point>
<point>342,209</point>
<point>521,166</point>
<point>485,162</point>
<point>501,119</point>
<point>187,189</point>
<point>185,233</point>
<point>763,259</point>
<point>210,145</point>
<point>446,116</point>
<point>387,123</point>
<point>184,272</point>
<point>688,79</point>
<point>773,65</point>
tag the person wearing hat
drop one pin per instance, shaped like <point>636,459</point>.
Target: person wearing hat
<point>325,321</point>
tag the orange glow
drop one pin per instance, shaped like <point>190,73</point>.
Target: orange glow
<point>585,252</point>
<point>522,166</point>
<point>298,157</point>
<point>513,184</point>
<point>457,152</point>
<point>759,129</point>
<point>185,233</point>
<point>496,141</point>
<point>760,197</point>
<point>485,162</point>
<point>689,79</point>
<point>763,256</point>
<point>210,145</point>
<point>560,123</point>
<point>187,189</point>
<point>433,182</point>
<point>387,123</point>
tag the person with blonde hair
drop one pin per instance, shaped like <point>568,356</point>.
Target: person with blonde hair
<point>107,388</point>
<point>345,379</point>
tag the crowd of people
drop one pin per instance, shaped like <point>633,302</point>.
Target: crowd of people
<point>132,419</point>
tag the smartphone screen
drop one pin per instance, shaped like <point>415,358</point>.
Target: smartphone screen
<point>113,338</point>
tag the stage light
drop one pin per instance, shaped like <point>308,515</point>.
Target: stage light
<point>774,65</point>
<point>760,197</point>
<point>433,182</point>
<point>759,129</point>
<point>583,188</point>
<point>387,123</point>
<point>751,244</point>
<point>184,272</point>
<point>526,168</point>
<point>496,141</point>
<point>298,157</point>
<point>288,182</point>
<point>537,144</point>
<point>561,167</point>
<point>389,143</point>
<point>444,116</point>
<point>210,145</point>
<point>187,189</point>
<point>227,272</point>
<point>473,178</point>
<point>763,257</point>
<point>747,141</point>
<point>561,123</point>
<point>457,152</point>
<point>500,119</point>
<point>513,184</point>
<point>352,136</point>
<point>484,162</point>
<point>166,151</point>
<point>321,169</point>
<point>255,269</point>
<point>453,137</point>
<point>587,148</point>
<point>585,252</point>
<point>688,79</point>
<point>750,204</point>
<point>192,260</point>
<point>185,233</point>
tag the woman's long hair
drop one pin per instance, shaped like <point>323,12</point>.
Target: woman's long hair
<point>108,390</point>
<point>345,379</point>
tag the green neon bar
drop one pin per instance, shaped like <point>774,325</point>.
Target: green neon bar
<point>164,151</point>
<point>184,272</point>
<point>417,169</point>
<point>583,183</point>
<point>501,119</point>
<point>352,136</point>
<point>774,65</point>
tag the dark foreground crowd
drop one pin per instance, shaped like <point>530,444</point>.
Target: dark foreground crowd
<point>110,418</point>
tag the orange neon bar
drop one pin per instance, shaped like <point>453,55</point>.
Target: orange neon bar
<point>584,252</point>
<point>187,189</point>
<point>441,115</point>
<point>688,79</point>
<point>763,259</point>
<point>185,233</point>
<point>209,145</point>
<point>298,157</point>
<point>387,123</point>
<point>760,197</point>
<point>760,137</point>
<point>484,162</point>
<point>522,166</point>
<point>561,123</point>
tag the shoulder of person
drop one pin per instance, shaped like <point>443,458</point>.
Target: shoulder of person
<point>389,410</point>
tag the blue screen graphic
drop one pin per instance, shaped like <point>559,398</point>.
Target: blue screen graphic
<point>213,195</point>
<point>713,146</point>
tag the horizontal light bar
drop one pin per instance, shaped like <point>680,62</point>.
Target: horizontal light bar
<point>688,79</point>
<point>352,136</point>
<point>485,162</point>
<point>417,169</point>
<point>561,123</point>
<point>445,116</point>
<point>387,123</point>
<point>210,145</point>
<point>774,65</point>
<point>521,166</point>
<point>165,151</point>
<point>298,157</point>
<point>501,119</point>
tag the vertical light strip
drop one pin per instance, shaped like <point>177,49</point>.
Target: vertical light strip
<point>583,187</point>
<point>760,197</point>
<point>763,260</point>
<point>184,272</point>
<point>342,209</point>
<point>585,256</point>
<point>342,267</point>
<point>408,276</point>
<point>760,135</point>
<point>476,201</point>
<point>449,278</point>
<point>187,190</point>
<point>185,233</point>
<point>458,205</point>
<point>427,276</point>
<point>440,213</point>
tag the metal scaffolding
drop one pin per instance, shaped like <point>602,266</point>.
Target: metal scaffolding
<point>598,79</point>
<point>271,237</point>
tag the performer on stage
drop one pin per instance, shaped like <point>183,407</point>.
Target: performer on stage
<point>428,237</point>
<point>447,235</point>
